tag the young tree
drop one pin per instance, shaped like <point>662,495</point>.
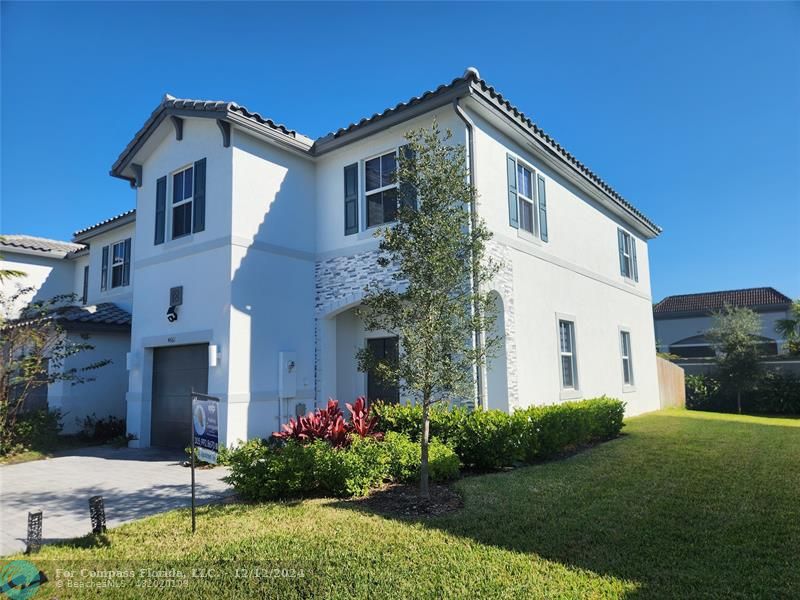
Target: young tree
<point>789,328</point>
<point>33,352</point>
<point>735,337</point>
<point>436,251</point>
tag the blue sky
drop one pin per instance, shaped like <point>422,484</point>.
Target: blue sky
<point>688,110</point>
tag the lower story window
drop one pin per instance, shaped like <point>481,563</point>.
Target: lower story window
<point>378,388</point>
<point>627,361</point>
<point>569,365</point>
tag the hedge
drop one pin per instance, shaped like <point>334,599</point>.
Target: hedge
<point>492,439</point>
<point>774,392</point>
<point>265,470</point>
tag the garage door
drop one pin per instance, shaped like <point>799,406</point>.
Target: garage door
<point>177,371</point>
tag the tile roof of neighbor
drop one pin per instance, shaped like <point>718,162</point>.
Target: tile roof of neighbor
<point>45,245</point>
<point>105,222</point>
<point>105,314</point>
<point>712,301</point>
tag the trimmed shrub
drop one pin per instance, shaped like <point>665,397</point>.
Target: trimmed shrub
<point>492,439</point>
<point>775,392</point>
<point>263,471</point>
<point>260,471</point>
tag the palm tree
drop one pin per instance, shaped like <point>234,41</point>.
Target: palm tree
<point>789,328</point>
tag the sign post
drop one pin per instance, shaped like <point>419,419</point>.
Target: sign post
<point>205,435</point>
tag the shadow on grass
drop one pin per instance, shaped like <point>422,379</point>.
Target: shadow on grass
<point>684,507</point>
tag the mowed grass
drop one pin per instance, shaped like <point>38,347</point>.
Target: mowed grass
<point>684,505</point>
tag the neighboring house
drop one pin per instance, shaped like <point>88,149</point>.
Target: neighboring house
<point>102,319</point>
<point>253,245</point>
<point>681,322</point>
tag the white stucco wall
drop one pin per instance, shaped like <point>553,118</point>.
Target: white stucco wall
<point>122,295</point>
<point>103,397</point>
<point>575,273</point>
<point>47,276</point>
<point>200,262</point>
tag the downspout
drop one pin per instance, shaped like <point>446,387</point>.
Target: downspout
<point>480,375</point>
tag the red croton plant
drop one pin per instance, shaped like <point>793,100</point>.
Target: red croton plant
<point>329,424</point>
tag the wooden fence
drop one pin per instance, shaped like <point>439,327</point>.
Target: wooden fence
<point>671,384</point>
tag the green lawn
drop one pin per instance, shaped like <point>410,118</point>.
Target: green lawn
<point>684,505</point>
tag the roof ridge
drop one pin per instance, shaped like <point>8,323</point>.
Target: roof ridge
<point>748,289</point>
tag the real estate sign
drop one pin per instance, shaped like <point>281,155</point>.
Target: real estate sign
<point>205,423</point>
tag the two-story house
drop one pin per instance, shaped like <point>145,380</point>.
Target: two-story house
<point>253,245</point>
<point>96,269</point>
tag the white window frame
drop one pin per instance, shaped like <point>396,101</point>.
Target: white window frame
<point>568,393</point>
<point>630,385</point>
<point>363,187</point>
<point>112,264</point>
<point>532,200</point>
<point>170,216</point>
<point>627,254</point>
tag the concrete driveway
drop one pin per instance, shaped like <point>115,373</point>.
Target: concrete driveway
<point>134,483</point>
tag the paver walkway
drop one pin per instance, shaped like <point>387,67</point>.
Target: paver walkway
<point>134,483</point>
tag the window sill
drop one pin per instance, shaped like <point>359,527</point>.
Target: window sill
<point>528,236</point>
<point>570,394</point>
<point>629,281</point>
<point>626,389</point>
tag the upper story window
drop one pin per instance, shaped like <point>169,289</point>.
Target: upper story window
<point>116,265</point>
<point>188,214</point>
<point>527,201</point>
<point>182,196</point>
<point>627,255</point>
<point>525,198</point>
<point>627,361</point>
<point>569,361</point>
<point>380,187</point>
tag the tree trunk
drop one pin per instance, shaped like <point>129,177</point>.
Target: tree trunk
<point>739,400</point>
<point>424,488</point>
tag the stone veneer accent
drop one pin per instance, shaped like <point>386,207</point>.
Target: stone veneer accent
<point>340,283</point>
<point>503,284</point>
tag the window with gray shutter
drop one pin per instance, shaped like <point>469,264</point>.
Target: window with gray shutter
<point>199,223</point>
<point>513,203</point>
<point>542,194</point>
<point>104,269</point>
<point>85,296</point>
<point>351,199</point>
<point>161,210</point>
<point>408,193</point>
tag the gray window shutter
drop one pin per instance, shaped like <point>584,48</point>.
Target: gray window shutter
<point>126,265</point>
<point>540,191</point>
<point>408,193</point>
<point>633,259</point>
<point>513,203</point>
<point>85,297</point>
<point>351,199</point>
<point>621,242</point>
<point>199,223</point>
<point>104,270</point>
<point>161,210</point>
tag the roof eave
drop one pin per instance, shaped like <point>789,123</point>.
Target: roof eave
<point>647,228</point>
<point>333,141</point>
<point>81,236</point>
<point>118,169</point>
<point>56,254</point>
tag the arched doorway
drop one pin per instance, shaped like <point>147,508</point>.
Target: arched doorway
<point>497,365</point>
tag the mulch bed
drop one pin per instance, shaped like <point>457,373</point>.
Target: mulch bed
<point>395,500</point>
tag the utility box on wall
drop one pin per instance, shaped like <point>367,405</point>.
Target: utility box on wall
<point>287,375</point>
